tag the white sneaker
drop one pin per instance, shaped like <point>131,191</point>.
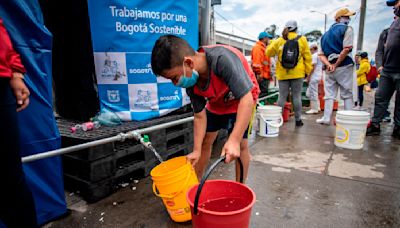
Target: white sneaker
<point>323,121</point>
<point>312,112</point>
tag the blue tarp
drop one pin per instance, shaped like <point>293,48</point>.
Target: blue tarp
<point>24,22</point>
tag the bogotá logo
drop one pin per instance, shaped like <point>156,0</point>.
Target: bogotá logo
<point>174,97</point>
<point>113,96</point>
<point>144,70</point>
<point>143,99</point>
<point>111,69</point>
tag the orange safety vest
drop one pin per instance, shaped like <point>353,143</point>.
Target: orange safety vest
<point>260,63</point>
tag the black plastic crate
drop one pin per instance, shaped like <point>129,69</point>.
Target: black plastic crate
<point>90,191</point>
<point>88,154</point>
<point>90,170</point>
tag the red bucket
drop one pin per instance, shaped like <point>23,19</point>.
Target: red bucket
<point>221,203</point>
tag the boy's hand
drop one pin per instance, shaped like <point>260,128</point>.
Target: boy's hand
<point>193,157</point>
<point>21,92</point>
<point>231,150</point>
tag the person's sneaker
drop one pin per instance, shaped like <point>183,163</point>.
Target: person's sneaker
<point>312,112</point>
<point>373,129</point>
<point>323,121</point>
<point>387,119</point>
<point>396,132</point>
<point>299,123</point>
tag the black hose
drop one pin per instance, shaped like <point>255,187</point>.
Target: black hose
<point>205,176</point>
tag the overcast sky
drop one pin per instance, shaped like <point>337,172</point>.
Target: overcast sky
<point>250,17</point>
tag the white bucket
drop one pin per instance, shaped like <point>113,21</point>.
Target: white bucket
<point>351,127</point>
<point>270,119</point>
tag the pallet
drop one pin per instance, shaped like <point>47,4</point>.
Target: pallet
<point>128,152</point>
<point>93,191</point>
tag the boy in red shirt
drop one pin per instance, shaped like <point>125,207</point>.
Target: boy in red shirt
<point>223,91</point>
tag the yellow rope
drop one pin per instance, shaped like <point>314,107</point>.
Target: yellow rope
<point>251,121</point>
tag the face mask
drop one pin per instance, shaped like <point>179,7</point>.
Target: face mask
<point>187,82</point>
<point>344,20</point>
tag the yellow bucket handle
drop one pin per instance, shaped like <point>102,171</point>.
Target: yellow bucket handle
<point>176,193</point>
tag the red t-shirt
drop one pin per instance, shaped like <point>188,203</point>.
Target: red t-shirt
<point>9,59</point>
<point>229,80</point>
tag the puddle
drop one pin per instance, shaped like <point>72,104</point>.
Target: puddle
<point>339,167</point>
<point>306,160</point>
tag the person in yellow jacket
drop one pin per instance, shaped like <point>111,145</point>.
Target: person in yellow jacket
<point>362,72</point>
<point>260,63</point>
<point>291,77</point>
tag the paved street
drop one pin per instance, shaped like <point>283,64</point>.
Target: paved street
<point>301,179</point>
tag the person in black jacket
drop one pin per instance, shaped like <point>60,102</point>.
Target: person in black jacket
<point>390,77</point>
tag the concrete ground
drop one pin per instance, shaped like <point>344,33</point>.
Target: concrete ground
<point>301,179</point>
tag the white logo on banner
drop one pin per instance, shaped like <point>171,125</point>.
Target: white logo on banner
<point>113,96</point>
<point>143,99</point>
<point>170,98</point>
<point>146,70</point>
<point>110,68</point>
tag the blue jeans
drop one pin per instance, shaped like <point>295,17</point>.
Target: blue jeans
<point>295,86</point>
<point>388,84</point>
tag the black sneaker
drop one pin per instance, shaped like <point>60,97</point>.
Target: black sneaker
<point>374,129</point>
<point>396,132</point>
<point>299,123</point>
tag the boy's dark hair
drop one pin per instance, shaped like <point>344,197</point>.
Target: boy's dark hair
<point>168,52</point>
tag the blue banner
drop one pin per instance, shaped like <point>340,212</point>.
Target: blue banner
<point>123,35</point>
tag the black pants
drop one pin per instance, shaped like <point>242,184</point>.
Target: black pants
<point>388,84</point>
<point>17,208</point>
<point>264,84</point>
<point>360,95</point>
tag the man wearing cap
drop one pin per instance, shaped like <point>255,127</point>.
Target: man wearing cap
<point>336,46</point>
<point>260,63</point>
<point>390,77</point>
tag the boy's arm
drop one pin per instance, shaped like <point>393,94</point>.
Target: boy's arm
<point>200,124</point>
<point>199,131</point>
<point>232,71</point>
<point>232,147</point>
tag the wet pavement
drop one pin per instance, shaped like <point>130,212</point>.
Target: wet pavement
<point>301,179</point>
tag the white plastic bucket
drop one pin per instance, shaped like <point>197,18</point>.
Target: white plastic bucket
<point>351,127</point>
<point>270,120</point>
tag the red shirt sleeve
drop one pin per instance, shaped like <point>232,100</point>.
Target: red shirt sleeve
<point>10,60</point>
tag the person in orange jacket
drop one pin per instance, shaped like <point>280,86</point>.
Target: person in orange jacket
<point>260,63</point>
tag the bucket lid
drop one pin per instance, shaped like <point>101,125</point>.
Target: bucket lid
<point>269,107</point>
<point>351,113</point>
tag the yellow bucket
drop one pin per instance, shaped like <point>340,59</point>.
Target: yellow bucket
<point>171,181</point>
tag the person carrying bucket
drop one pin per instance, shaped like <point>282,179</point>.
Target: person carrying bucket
<point>223,90</point>
<point>294,62</point>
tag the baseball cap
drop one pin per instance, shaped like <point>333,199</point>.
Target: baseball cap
<point>264,34</point>
<point>363,54</point>
<point>291,25</point>
<point>344,12</point>
<point>391,2</point>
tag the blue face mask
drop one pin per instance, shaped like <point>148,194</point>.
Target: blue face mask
<point>186,82</point>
